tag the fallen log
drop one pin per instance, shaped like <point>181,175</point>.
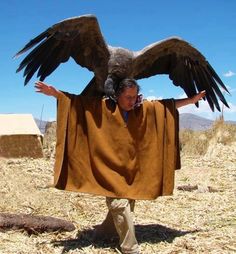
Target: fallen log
<point>187,187</point>
<point>34,224</point>
<point>196,187</point>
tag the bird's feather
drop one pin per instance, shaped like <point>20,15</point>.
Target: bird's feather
<point>184,64</point>
<point>81,39</point>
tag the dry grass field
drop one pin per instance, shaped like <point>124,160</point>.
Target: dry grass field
<point>199,218</point>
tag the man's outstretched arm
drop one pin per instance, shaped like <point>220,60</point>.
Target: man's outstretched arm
<point>47,89</point>
<point>186,101</point>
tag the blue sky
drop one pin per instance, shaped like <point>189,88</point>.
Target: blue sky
<point>209,25</point>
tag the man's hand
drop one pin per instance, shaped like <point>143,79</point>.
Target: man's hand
<point>42,87</point>
<point>198,97</point>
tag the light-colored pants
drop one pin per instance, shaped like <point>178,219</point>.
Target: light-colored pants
<point>121,209</point>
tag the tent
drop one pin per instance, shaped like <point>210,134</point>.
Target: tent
<point>20,136</point>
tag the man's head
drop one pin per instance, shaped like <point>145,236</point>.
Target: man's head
<point>127,93</point>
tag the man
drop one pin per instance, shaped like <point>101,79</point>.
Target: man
<point>123,150</point>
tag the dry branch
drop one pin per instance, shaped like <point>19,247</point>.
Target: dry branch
<point>187,187</point>
<point>34,224</point>
<point>196,187</point>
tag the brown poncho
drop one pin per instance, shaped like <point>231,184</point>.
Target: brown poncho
<point>98,152</point>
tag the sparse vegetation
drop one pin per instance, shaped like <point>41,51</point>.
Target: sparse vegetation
<point>198,142</point>
<point>199,218</point>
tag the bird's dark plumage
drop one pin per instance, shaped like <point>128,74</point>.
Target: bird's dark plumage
<point>81,39</point>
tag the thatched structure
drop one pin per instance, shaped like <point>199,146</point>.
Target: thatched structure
<point>20,136</point>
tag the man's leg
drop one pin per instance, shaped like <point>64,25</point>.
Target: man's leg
<point>121,212</point>
<point>106,230</point>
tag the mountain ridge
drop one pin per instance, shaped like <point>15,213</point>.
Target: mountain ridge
<point>195,122</point>
<point>187,121</point>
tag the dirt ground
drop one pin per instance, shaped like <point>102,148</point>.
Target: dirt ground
<point>197,219</point>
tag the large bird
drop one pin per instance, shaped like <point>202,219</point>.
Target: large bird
<point>81,38</point>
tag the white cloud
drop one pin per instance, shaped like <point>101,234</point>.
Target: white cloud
<point>203,108</point>
<point>152,98</point>
<point>231,109</point>
<point>229,74</point>
<point>205,111</point>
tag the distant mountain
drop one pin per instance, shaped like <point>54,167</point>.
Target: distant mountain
<point>41,125</point>
<point>194,122</point>
<point>187,121</point>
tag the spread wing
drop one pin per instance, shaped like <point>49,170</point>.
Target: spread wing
<point>79,38</point>
<point>184,64</point>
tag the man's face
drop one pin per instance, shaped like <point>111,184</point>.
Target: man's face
<point>127,99</point>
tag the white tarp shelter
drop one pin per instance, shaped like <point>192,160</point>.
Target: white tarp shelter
<point>20,136</point>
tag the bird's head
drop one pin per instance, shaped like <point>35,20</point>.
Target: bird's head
<point>119,67</point>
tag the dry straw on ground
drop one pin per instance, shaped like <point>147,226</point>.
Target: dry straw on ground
<point>195,220</point>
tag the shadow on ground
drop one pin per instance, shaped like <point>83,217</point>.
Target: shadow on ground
<point>151,233</point>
